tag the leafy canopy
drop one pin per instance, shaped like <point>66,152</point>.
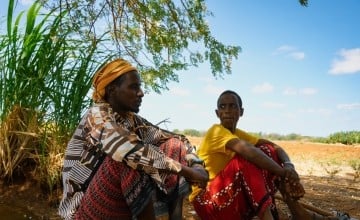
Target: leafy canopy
<point>159,36</point>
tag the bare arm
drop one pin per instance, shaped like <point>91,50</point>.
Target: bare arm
<point>195,175</point>
<point>255,156</point>
<point>122,145</point>
<point>294,188</point>
<point>291,173</point>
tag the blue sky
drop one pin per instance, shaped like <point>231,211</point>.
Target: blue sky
<point>298,72</point>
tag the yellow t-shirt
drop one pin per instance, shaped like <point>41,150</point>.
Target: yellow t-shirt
<point>212,150</point>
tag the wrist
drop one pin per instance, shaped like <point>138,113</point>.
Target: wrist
<point>288,163</point>
<point>177,167</point>
<point>196,161</point>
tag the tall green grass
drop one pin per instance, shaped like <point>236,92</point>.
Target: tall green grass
<point>45,78</point>
<point>44,68</point>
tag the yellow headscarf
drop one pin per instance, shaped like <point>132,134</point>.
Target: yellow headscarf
<point>108,73</point>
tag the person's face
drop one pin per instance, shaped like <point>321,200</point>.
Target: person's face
<point>126,95</point>
<point>229,111</point>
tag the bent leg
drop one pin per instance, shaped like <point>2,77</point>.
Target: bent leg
<point>170,205</point>
<point>271,180</point>
<point>175,209</point>
<point>237,192</point>
<point>116,192</point>
<point>147,213</point>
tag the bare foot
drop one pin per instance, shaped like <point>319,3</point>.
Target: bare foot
<point>295,190</point>
<point>298,212</point>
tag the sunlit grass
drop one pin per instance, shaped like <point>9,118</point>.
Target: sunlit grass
<point>355,165</point>
<point>29,149</point>
<point>49,160</point>
<point>45,76</point>
<point>18,138</point>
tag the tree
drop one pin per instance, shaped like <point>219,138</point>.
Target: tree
<point>46,67</point>
<point>304,2</point>
<point>159,36</point>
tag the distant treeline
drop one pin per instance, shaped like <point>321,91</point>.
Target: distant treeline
<point>343,137</point>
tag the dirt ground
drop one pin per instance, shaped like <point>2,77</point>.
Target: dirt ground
<point>330,182</point>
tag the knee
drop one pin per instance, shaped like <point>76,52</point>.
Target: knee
<point>173,143</point>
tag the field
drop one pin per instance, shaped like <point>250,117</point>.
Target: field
<point>330,182</point>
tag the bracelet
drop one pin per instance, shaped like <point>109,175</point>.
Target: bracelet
<point>289,163</point>
<point>193,161</point>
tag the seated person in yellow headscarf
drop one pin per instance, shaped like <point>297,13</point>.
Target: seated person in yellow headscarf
<point>120,166</point>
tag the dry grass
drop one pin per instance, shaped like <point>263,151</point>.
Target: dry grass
<point>28,151</point>
<point>18,135</point>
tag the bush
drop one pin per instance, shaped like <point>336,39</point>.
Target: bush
<point>348,137</point>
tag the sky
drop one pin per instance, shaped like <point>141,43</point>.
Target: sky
<point>298,71</point>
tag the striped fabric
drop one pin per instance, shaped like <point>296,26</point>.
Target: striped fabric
<point>130,139</point>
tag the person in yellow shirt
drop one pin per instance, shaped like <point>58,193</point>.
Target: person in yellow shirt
<point>244,171</point>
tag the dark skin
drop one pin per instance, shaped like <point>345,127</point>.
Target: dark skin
<point>229,112</point>
<point>125,95</point>
<point>298,211</point>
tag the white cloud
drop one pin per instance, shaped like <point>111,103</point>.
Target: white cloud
<point>273,105</point>
<point>179,91</point>
<point>319,111</point>
<point>297,55</point>
<point>290,51</point>
<point>284,49</point>
<point>289,91</point>
<point>308,91</point>
<point>263,88</point>
<point>303,91</point>
<point>350,106</point>
<point>347,63</point>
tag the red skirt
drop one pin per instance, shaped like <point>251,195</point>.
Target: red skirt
<point>240,191</point>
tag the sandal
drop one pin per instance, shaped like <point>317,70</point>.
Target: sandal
<point>337,216</point>
<point>343,216</point>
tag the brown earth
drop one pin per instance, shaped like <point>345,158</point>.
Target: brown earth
<point>330,182</point>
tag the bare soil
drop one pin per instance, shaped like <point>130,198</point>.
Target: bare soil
<point>331,184</point>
